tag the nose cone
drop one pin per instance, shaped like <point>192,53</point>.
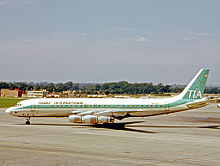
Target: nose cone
<point>9,110</point>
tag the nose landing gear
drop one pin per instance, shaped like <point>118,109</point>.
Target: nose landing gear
<point>28,121</point>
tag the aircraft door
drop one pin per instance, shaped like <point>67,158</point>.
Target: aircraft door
<point>167,106</point>
<point>34,108</point>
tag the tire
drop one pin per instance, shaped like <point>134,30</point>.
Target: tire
<point>27,122</point>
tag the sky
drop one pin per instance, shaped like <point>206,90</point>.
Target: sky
<point>109,40</point>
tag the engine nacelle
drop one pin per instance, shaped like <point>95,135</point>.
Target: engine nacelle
<point>90,119</point>
<point>105,119</point>
<point>75,119</point>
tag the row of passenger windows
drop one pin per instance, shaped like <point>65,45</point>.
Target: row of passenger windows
<point>105,106</point>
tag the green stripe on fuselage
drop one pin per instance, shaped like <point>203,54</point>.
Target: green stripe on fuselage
<point>107,106</point>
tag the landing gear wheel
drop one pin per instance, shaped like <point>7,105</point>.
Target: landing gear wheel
<point>27,122</point>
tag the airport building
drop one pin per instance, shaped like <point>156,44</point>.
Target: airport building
<point>96,96</point>
<point>53,95</point>
<point>11,93</point>
<point>37,93</point>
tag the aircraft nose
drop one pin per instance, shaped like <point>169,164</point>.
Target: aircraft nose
<point>9,110</point>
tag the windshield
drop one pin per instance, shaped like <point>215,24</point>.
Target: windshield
<point>18,104</point>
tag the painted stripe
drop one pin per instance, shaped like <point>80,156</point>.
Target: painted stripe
<point>107,106</point>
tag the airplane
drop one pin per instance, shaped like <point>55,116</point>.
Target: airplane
<point>107,110</point>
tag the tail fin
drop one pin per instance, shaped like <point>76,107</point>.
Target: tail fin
<point>196,88</point>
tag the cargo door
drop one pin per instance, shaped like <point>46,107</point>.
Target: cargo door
<point>34,108</point>
<point>167,107</point>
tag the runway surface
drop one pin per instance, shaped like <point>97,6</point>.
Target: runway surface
<point>184,138</point>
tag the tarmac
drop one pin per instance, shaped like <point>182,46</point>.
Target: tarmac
<point>185,138</point>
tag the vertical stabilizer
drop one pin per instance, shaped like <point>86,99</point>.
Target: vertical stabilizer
<point>196,88</point>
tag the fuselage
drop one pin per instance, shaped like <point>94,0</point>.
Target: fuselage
<point>63,107</point>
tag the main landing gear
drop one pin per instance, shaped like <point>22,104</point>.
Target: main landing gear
<point>28,121</point>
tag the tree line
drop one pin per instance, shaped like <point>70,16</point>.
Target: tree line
<point>122,87</point>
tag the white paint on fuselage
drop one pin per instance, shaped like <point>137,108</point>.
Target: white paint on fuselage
<point>33,110</point>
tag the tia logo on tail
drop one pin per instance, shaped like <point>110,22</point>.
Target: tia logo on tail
<point>193,94</point>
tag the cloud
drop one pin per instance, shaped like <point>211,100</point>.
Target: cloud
<point>117,28</point>
<point>188,38</point>
<point>142,40</point>
<point>78,34</point>
<point>14,2</point>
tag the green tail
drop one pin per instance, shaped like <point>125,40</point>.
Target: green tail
<point>196,88</point>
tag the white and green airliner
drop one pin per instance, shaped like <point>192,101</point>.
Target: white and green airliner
<point>106,110</point>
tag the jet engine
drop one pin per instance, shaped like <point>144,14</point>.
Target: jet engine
<point>75,119</point>
<point>105,119</point>
<point>90,119</point>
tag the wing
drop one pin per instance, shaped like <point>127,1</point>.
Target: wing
<point>115,113</point>
<point>112,113</point>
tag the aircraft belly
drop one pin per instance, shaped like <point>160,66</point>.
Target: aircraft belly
<point>157,112</point>
<point>147,113</point>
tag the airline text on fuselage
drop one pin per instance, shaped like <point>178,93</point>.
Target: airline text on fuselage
<point>60,103</point>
